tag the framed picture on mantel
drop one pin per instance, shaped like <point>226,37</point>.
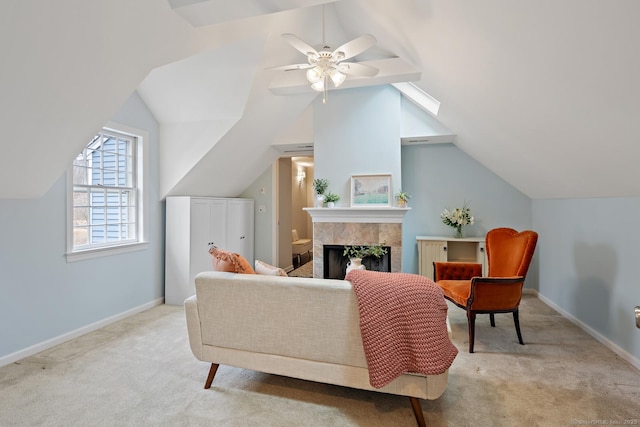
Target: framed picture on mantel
<point>371,190</point>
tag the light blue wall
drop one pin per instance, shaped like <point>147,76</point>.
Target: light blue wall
<point>43,296</point>
<point>588,263</point>
<point>442,176</point>
<point>357,132</point>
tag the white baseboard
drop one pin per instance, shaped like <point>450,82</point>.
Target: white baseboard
<point>37,348</point>
<point>595,334</point>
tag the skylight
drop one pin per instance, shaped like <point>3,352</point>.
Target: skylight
<point>418,96</point>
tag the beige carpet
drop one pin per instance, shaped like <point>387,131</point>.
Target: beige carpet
<point>305,270</point>
<point>140,372</point>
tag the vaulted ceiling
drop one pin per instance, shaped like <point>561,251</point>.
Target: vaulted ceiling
<point>545,94</point>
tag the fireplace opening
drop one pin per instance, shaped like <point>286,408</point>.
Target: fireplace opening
<point>334,265</point>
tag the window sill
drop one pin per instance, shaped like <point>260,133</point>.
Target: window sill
<point>108,251</point>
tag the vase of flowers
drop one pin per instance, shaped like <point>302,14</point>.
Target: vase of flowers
<point>457,217</point>
<point>354,264</point>
<point>356,254</point>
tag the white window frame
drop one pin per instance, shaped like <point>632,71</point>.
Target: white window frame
<point>142,223</point>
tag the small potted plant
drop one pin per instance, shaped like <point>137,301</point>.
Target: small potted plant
<point>402,198</point>
<point>331,199</point>
<point>357,253</point>
<point>376,251</point>
<point>320,186</point>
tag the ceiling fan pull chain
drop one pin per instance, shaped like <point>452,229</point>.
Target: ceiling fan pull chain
<point>324,93</point>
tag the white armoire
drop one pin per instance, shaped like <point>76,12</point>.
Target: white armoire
<point>193,224</point>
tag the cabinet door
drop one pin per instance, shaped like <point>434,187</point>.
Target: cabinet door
<point>431,251</point>
<point>240,228</point>
<point>200,237</point>
<point>218,217</point>
<point>481,258</point>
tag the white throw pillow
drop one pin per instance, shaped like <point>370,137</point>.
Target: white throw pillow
<point>269,270</point>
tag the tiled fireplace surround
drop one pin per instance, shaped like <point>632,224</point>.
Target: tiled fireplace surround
<point>357,226</point>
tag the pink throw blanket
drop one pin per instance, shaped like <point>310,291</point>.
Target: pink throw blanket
<point>403,325</point>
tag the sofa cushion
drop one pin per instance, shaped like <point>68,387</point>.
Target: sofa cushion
<point>229,261</point>
<point>262,267</point>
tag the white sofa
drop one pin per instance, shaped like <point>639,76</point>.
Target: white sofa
<point>297,327</point>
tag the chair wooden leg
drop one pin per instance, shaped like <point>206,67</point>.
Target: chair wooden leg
<point>212,373</point>
<point>492,318</point>
<point>516,320</point>
<point>417,411</point>
<point>471,319</point>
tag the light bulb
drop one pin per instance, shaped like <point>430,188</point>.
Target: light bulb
<point>337,77</point>
<point>314,74</point>
<point>318,86</point>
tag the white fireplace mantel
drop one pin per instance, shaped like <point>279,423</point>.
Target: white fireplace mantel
<point>364,215</point>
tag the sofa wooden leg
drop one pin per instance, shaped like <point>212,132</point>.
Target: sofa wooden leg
<point>417,411</point>
<point>212,373</point>
<point>492,318</point>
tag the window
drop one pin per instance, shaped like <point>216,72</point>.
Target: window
<point>106,208</point>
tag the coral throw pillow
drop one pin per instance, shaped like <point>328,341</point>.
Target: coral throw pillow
<point>229,261</point>
<point>269,270</point>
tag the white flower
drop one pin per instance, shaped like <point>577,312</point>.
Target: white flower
<point>457,217</point>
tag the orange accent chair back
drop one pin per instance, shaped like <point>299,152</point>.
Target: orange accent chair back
<point>509,254</point>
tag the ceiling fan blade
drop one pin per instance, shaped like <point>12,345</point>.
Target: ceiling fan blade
<point>355,47</point>
<point>292,67</point>
<point>357,69</point>
<point>299,44</point>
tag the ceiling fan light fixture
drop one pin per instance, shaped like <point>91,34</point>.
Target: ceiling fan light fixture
<point>314,74</point>
<point>318,86</point>
<point>337,77</point>
<point>325,64</point>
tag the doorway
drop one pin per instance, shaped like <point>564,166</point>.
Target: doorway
<point>295,192</point>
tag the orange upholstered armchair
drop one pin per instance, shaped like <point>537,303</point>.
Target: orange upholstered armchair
<point>509,254</point>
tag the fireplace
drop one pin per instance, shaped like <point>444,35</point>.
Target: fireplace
<point>357,226</point>
<point>335,263</point>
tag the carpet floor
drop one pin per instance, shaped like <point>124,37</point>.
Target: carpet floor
<point>140,372</point>
<point>305,270</point>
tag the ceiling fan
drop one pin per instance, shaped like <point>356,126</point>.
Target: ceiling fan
<point>328,64</point>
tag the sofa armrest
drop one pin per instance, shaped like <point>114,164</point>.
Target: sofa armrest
<point>193,326</point>
<point>456,270</point>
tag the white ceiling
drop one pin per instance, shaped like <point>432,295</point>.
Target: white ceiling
<point>545,94</point>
